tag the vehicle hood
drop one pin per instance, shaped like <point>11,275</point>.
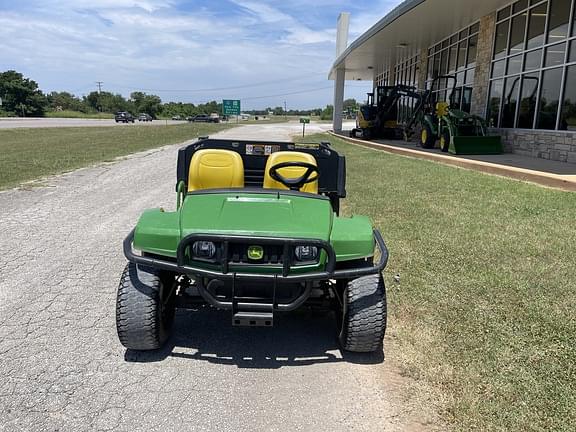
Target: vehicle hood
<point>256,214</point>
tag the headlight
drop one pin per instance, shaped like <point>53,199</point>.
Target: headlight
<point>306,253</point>
<point>204,249</point>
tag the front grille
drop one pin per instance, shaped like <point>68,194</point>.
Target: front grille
<point>238,253</point>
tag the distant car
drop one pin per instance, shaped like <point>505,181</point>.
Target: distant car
<point>203,118</point>
<point>176,117</point>
<point>144,117</point>
<point>123,117</point>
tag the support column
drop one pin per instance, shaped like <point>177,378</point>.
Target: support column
<point>483,64</point>
<point>338,100</point>
<point>422,68</point>
<point>341,43</point>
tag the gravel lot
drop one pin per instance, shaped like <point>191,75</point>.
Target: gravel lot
<point>63,368</point>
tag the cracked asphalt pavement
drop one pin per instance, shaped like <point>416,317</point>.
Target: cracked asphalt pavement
<point>63,369</point>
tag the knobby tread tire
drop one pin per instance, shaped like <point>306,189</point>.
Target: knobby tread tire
<point>430,138</point>
<point>139,319</point>
<point>364,315</point>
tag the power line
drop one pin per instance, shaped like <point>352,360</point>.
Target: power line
<point>243,86</point>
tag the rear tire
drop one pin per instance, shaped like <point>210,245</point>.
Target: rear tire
<point>364,314</point>
<point>427,138</point>
<point>145,307</point>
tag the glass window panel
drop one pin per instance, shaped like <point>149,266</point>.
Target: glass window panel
<point>475,28</point>
<point>511,88</point>
<point>463,34</point>
<point>568,115</point>
<point>549,96</point>
<point>455,97</point>
<point>517,33</point>
<point>559,16</point>
<point>504,13</point>
<point>444,63</point>
<point>533,60</point>
<point>536,26</point>
<point>453,58</point>
<point>501,39</point>
<point>519,5</point>
<point>498,68</point>
<point>436,68</point>
<point>555,55</point>
<point>472,50</point>
<point>466,99</point>
<point>470,77</point>
<point>572,55</point>
<point>460,79</point>
<point>514,65</point>
<point>454,39</point>
<point>462,54</point>
<point>494,100</point>
<point>528,96</point>
<point>445,43</point>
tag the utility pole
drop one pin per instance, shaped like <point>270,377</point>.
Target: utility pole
<point>285,112</point>
<point>99,84</point>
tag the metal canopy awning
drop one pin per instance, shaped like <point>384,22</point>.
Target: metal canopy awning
<point>412,26</point>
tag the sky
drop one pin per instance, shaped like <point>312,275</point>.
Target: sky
<point>262,52</point>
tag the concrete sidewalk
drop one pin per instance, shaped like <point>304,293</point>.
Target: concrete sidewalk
<point>554,174</point>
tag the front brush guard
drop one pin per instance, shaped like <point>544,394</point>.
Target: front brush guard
<point>179,266</point>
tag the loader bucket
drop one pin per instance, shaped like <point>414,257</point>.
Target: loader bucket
<point>475,145</point>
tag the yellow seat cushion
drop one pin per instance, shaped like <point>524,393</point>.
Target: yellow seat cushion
<point>442,109</point>
<point>290,172</point>
<point>215,169</point>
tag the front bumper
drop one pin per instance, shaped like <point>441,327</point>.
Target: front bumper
<point>224,274</point>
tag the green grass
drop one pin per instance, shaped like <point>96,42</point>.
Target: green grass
<point>28,154</point>
<point>485,314</point>
<point>77,114</point>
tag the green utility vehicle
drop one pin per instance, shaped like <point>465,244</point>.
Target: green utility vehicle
<point>257,232</point>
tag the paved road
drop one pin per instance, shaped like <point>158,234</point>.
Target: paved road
<point>10,123</point>
<point>62,367</point>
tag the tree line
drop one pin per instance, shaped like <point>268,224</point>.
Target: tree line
<point>21,97</point>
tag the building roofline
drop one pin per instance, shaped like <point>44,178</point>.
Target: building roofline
<point>392,16</point>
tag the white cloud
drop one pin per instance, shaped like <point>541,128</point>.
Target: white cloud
<point>129,44</point>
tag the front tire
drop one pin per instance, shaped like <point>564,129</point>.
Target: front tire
<point>145,307</point>
<point>445,141</point>
<point>364,314</point>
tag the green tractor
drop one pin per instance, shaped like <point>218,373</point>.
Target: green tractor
<point>456,131</point>
<point>256,232</point>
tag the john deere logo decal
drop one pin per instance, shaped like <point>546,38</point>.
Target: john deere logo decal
<point>255,252</point>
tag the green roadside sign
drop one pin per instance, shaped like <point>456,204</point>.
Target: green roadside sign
<point>304,120</point>
<point>231,107</point>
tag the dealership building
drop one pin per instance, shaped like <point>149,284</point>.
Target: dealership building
<point>515,65</point>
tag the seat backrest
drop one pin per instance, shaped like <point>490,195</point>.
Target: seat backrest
<point>215,169</point>
<point>442,108</point>
<point>289,172</point>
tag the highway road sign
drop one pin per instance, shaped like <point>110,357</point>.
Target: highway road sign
<point>230,107</point>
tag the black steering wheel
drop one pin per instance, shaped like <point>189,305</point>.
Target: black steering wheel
<point>298,182</point>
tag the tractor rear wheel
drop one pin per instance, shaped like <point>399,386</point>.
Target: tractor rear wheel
<point>145,307</point>
<point>363,314</point>
<point>427,138</point>
<point>445,141</point>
